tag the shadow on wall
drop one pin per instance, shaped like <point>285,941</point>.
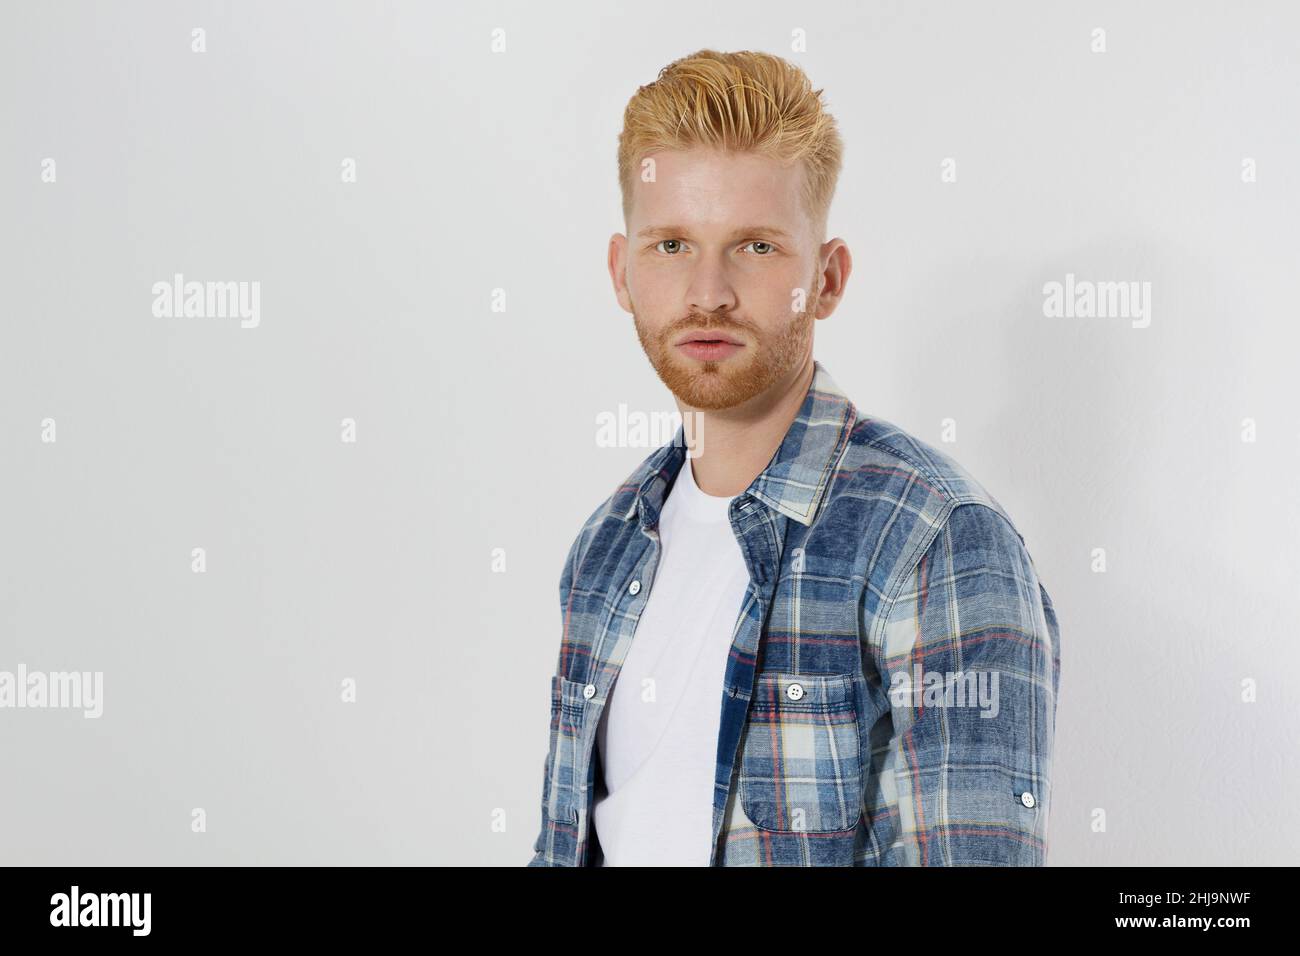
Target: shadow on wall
<point>1130,439</point>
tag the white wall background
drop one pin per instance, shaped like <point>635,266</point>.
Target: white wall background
<point>476,429</point>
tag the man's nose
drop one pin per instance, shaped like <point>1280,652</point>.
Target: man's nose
<point>711,289</point>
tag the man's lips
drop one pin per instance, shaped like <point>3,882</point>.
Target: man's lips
<point>722,337</point>
<point>708,346</point>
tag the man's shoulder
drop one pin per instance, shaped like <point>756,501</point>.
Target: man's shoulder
<point>618,504</point>
<point>929,504</point>
<point>885,461</point>
<point>920,484</point>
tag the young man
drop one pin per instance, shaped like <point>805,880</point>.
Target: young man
<point>817,641</point>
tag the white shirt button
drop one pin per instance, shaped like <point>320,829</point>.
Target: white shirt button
<point>794,691</point>
<point>589,691</point>
<point>634,587</point>
<point>1027,798</point>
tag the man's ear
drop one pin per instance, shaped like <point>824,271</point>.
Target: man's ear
<point>618,270</point>
<point>834,276</point>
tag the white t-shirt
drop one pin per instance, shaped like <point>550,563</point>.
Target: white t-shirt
<point>658,735</point>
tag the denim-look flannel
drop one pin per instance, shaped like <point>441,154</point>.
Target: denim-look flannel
<point>875,561</point>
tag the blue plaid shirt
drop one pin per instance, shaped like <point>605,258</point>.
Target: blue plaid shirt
<point>890,695</point>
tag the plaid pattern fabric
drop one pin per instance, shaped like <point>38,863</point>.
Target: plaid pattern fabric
<point>890,696</point>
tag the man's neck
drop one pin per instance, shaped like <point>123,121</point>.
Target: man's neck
<point>737,443</point>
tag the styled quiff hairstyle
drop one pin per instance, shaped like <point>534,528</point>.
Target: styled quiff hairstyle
<point>741,102</point>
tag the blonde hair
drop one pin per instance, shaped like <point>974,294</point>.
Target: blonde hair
<point>743,102</point>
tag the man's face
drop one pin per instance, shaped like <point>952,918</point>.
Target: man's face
<point>720,247</point>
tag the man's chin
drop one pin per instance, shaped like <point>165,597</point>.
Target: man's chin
<point>710,386</point>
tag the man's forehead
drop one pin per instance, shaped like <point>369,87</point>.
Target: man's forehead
<point>714,170</point>
<point>708,189</point>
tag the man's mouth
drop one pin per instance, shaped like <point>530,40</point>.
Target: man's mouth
<point>709,346</point>
<point>709,337</point>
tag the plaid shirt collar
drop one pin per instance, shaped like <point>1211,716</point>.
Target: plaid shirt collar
<point>794,481</point>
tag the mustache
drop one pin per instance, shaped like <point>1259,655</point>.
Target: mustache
<point>706,323</point>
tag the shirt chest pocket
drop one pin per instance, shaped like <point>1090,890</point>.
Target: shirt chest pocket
<point>800,767</point>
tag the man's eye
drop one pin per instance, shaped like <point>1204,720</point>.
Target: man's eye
<point>673,246</point>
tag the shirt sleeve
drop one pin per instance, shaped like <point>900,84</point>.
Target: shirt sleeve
<point>542,855</point>
<point>968,652</point>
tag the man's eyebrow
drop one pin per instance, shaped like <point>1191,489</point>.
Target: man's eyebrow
<point>674,232</point>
